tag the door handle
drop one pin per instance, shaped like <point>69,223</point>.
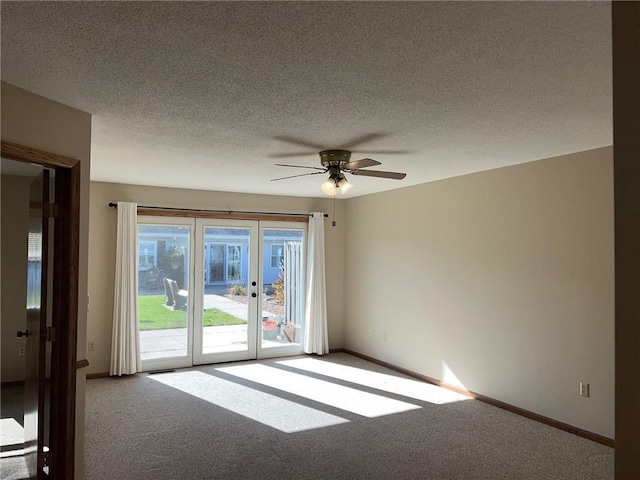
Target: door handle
<point>22,334</point>
<point>254,294</point>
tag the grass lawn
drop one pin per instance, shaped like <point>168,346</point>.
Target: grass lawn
<point>153,315</point>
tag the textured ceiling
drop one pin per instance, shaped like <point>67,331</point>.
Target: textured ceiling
<point>210,95</point>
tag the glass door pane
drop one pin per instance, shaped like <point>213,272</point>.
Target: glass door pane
<point>283,289</point>
<point>226,304</point>
<point>164,293</point>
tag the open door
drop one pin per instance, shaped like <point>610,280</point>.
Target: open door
<point>38,313</point>
<point>59,427</point>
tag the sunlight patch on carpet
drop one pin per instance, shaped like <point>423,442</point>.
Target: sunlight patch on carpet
<point>380,381</point>
<point>11,432</point>
<point>338,396</point>
<point>11,438</point>
<point>267,409</point>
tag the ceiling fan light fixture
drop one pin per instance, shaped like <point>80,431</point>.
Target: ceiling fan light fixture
<point>344,185</point>
<point>329,187</point>
<point>336,181</point>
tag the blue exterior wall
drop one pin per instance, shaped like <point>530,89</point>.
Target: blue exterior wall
<point>269,274</point>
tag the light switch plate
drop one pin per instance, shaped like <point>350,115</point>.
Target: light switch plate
<point>584,389</point>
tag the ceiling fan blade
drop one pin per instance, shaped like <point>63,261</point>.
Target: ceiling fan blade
<point>298,142</point>
<point>301,166</point>
<point>292,154</point>
<point>294,176</point>
<point>384,152</point>
<point>365,162</point>
<point>367,137</point>
<point>381,174</point>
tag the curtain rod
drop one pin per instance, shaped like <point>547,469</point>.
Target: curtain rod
<point>230,212</point>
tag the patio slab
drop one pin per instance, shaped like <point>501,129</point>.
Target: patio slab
<point>172,342</point>
<point>237,309</point>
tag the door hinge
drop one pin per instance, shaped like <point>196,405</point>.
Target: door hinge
<point>50,210</point>
<point>50,334</point>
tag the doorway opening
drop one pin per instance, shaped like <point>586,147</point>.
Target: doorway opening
<point>219,290</point>
<point>59,391</point>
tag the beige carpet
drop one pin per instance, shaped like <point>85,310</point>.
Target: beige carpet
<point>332,417</point>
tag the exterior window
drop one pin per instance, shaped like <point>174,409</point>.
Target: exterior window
<point>277,255</point>
<point>147,254</point>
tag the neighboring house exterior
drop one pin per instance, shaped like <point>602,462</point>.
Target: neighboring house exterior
<point>226,254</point>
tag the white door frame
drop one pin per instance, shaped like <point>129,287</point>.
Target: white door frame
<point>195,304</point>
<point>285,349</point>
<point>249,353</point>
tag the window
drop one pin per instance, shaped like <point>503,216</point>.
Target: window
<point>234,263</point>
<point>277,255</point>
<point>147,254</point>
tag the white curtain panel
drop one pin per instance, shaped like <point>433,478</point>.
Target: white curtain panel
<point>294,291</point>
<point>316,337</point>
<point>125,339</point>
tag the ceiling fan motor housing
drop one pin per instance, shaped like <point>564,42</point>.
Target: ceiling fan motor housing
<point>337,163</point>
<point>334,158</point>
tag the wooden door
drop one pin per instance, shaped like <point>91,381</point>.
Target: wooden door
<point>37,293</point>
<point>64,360</point>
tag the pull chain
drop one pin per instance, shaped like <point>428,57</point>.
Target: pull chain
<point>333,223</point>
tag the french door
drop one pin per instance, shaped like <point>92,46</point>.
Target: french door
<point>219,290</point>
<point>226,309</point>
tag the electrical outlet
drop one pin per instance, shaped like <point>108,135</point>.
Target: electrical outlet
<point>584,389</point>
<point>385,336</point>
<point>21,351</point>
<point>91,346</point>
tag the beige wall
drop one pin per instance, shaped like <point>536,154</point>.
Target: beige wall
<point>102,251</point>
<point>37,122</point>
<point>15,228</point>
<point>500,282</point>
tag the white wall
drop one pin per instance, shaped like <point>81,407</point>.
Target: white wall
<point>102,251</point>
<point>500,282</point>
<point>38,122</point>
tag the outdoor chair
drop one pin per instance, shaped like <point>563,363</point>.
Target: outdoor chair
<point>168,292</point>
<point>179,296</point>
<point>153,279</point>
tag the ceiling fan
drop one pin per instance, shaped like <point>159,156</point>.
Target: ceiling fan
<point>337,163</point>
